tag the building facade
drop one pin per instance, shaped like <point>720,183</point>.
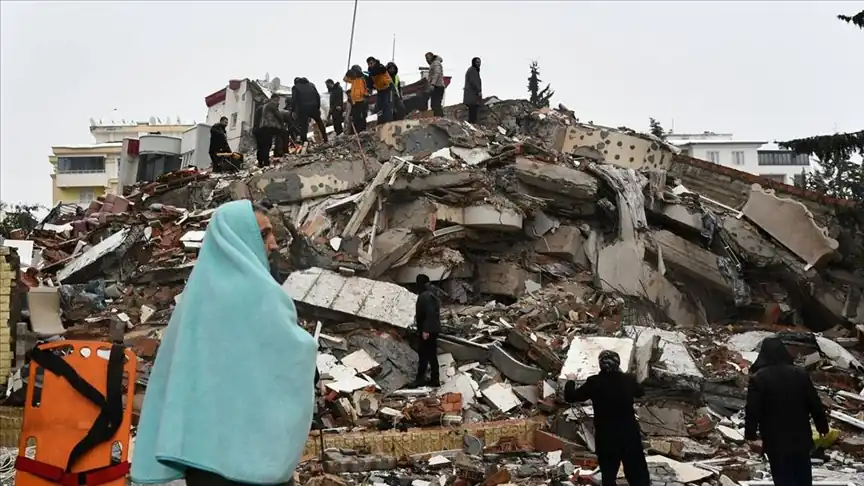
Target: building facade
<point>82,173</point>
<point>745,155</point>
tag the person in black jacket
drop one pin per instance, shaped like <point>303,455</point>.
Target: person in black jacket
<point>428,320</point>
<point>473,91</point>
<point>618,438</point>
<point>218,143</point>
<point>781,399</point>
<point>337,99</point>
<point>306,103</point>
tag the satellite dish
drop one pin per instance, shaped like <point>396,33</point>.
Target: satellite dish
<point>275,84</point>
<point>267,77</point>
<point>152,120</point>
<point>92,122</point>
<point>159,120</point>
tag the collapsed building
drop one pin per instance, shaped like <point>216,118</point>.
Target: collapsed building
<point>549,241</point>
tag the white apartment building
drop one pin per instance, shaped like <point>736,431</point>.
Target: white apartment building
<point>745,155</point>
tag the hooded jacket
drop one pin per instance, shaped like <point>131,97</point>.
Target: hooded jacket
<point>473,86</point>
<point>436,73</point>
<point>218,139</point>
<point>357,81</point>
<point>781,400</point>
<point>337,96</point>
<point>304,96</point>
<point>394,75</point>
<point>380,77</point>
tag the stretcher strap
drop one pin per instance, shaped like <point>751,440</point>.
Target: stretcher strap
<point>103,428</point>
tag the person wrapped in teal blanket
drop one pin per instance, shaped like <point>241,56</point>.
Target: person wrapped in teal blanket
<point>231,395</point>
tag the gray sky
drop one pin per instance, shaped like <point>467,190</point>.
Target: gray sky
<point>762,70</point>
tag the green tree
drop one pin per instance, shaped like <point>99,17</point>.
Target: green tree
<point>857,19</point>
<point>837,175</point>
<point>539,97</point>
<point>657,129</point>
<point>17,216</point>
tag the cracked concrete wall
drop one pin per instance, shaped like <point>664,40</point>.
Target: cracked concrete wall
<point>503,279</point>
<point>555,178</point>
<point>309,181</point>
<point>616,147</point>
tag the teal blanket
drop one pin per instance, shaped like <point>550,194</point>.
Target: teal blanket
<point>232,389</point>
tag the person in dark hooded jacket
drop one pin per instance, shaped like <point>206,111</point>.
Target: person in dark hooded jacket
<point>306,103</point>
<point>399,111</point>
<point>618,438</point>
<point>383,84</point>
<point>337,99</point>
<point>781,399</point>
<point>473,90</point>
<point>219,143</point>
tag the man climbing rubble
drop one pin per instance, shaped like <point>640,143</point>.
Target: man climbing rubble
<point>218,144</point>
<point>427,318</point>
<point>435,83</point>
<point>383,84</point>
<point>306,102</point>
<point>617,433</point>
<point>781,400</point>
<point>337,99</point>
<point>357,97</point>
<point>271,129</point>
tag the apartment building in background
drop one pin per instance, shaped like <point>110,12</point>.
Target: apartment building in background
<point>783,166</point>
<point>83,172</point>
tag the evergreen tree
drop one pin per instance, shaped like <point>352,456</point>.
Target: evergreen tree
<point>657,129</point>
<point>539,97</point>
<point>857,19</point>
<point>837,175</point>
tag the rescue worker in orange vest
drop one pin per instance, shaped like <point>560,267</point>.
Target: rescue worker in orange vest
<point>383,84</point>
<point>357,97</point>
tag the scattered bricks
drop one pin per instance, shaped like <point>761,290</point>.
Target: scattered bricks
<point>669,448</point>
<point>499,477</point>
<point>549,442</point>
<point>451,402</point>
<point>700,427</point>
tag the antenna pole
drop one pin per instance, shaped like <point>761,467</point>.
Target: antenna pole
<point>393,55</point>
<point>351,44</point>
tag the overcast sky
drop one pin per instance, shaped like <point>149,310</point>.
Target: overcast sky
<point>761,70</point>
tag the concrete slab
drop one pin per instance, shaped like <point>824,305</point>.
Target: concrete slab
<point>506,279</point>
<point>584,352</point>
<point>565,243</point>
<point>363,298</point>
<point>417,215</point>
<point>688,259</point>
<point>514,369</point>
<point>791,223</point>
<point>674,365</point>
<point>463,350</point>
<point>642,355</point>
<point>682,214</point>
<point>391,133</point>
<point>390,246</point>
<point>622,149</point>
<point>492,217</point>
<point>309,181</point>
<point>447,263</point>
<point>471,156</point>
<point>559,179</point>
<point>437,180</point>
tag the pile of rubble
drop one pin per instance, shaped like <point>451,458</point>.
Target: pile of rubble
<point>549,241</point>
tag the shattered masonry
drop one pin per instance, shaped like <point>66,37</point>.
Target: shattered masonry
<point>549,239</point>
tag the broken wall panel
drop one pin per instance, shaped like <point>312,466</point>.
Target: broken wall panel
<point>791,223</point>
<point>622,149</point>
<point>359,297</point>
<point>674,366</point>
<point>310,181</point>
<point>584,353</point>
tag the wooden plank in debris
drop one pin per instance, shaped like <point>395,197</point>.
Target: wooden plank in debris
<point>370,195</point>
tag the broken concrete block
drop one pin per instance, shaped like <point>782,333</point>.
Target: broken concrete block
<point>539,224</point>
<point>674,366</point>
<point>565,243</point>
<point>363,298</point>
<point>504,279</point>
<point>443,264</point>
<point>632,151</point>
<point>682,215</point>
<point>662,421</point>
<point>687,258</point>
<point>502,397</point>
<point>463,350</point>
<point>492,217</point>
<point>390,246</point>
<point>310,181</point>
<point>556,178</point>
<point>584,353</point>
<point>471,156</point>
<point>644,352</point>
<point>391,133</point>
<point>417,215</point>
<point>514,369</point>
<point>791,223</point>
<point>448,214</point>
<point>438,180</point>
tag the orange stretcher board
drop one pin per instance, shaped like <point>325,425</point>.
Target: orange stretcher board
<point>58,416</point>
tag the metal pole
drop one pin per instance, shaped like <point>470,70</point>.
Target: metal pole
<point>393,55</point>
<point>351,44</point>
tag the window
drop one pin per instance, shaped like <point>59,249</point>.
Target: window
<point>738,157</point>
<point>783,157</point>
<point>85,196</point>
<point>714,156</point>
<point>80,164</point>
<point>233,120</point>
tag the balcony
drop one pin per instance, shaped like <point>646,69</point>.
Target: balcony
<point>82,178</point>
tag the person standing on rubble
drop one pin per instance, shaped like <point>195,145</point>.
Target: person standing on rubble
<point>219,143</point>
<point>337,99</point>
<point>618,438</point>
<point>427,318</point>
<point>306,102</point>
<point>271,129</point>
<point>231,395</point>
<point>473,92</point>
<point>357,97</point>
<point>383,84</point>
<point>398,103</point>
<point>435,83</point>
<point>781,400</point>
